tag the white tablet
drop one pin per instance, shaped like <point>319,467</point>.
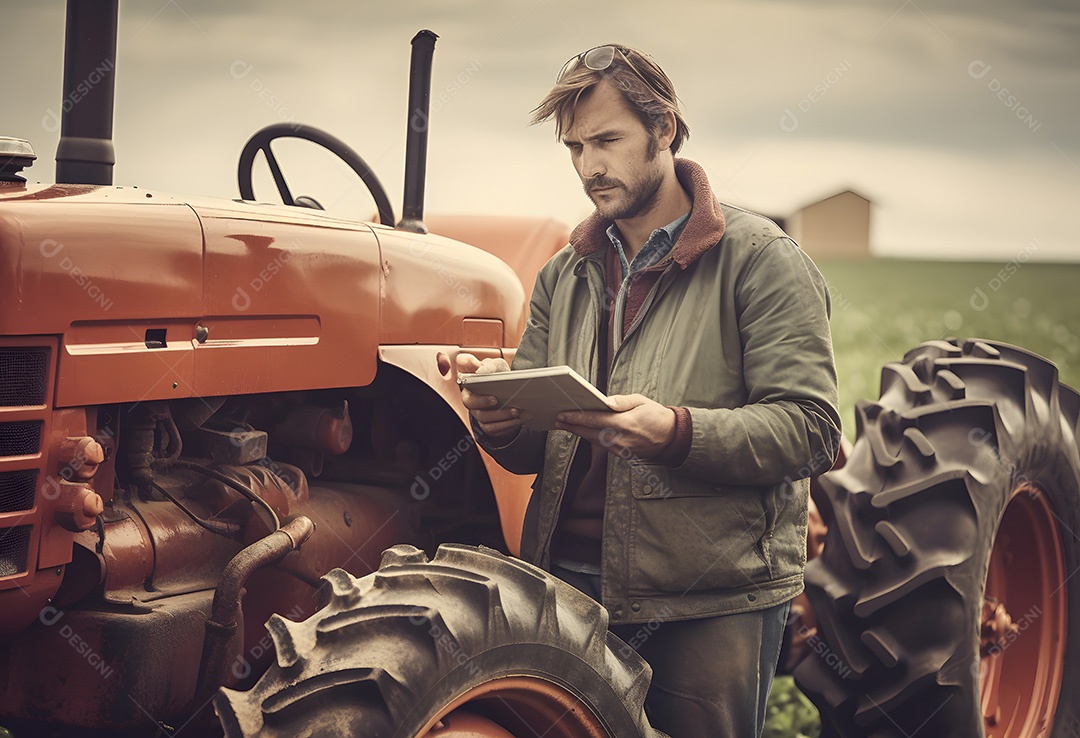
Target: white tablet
<point>543,392</point>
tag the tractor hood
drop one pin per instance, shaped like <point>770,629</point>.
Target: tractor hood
<point>158,296</point>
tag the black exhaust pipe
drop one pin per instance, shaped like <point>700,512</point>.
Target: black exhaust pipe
<point>412,208</point>
<point>85,152</point>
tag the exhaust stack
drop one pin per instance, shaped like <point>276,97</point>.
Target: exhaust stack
<point>412,208</point>
<point>85,152</point>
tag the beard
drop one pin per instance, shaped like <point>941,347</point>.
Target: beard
<point>626,201</point>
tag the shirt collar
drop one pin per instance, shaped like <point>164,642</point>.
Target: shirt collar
<point>657,246</point>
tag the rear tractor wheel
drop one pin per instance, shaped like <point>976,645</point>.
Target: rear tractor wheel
<point>472,643</point>
<point>945,594</point>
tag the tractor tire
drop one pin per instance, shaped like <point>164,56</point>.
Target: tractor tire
<point>417,648</point>
<point>944,595</point>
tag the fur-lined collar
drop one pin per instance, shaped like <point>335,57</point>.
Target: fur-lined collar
<point>702,231</point>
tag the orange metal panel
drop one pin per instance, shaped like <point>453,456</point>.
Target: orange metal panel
<point>432,283</point>
<point>89,255</point>
<point>288,298</point>
<point>109,361</point>
<point>524,243</point>
<point>291,300</point>
<point>481,332</point>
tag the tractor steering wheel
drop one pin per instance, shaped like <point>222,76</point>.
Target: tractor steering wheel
<point>261,142</point>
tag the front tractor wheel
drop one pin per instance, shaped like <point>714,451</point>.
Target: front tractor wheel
<point>472,643</point>
<point>945,594</point>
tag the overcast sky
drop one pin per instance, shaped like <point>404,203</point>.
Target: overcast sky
<point>957,119</point>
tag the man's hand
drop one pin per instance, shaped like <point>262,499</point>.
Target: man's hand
<point>638,425</point>
<point>499,425</point>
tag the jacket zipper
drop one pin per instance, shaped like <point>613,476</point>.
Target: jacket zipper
<point>642,311</point>
<point>620,314</point>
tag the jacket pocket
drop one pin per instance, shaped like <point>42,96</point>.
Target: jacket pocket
<point>696,537</point>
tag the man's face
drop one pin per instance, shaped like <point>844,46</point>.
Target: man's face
<point>615,156</point>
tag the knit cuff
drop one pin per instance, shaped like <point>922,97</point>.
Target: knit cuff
<point>675,453</point>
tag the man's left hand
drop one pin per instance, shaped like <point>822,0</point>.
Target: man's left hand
<point>637,424</point>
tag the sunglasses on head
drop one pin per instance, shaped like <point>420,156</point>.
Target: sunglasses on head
<point>599,58</point>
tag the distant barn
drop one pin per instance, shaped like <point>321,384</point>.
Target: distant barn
<point>837,227</point>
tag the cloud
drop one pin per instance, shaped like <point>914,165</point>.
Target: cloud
<point>904,118</point>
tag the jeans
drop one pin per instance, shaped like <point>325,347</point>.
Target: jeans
<point>711,676</point>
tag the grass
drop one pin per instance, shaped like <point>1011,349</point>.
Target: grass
<point>790,714</point>
<point>884,307</point>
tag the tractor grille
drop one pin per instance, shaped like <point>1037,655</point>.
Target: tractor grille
<point>23,374</point>
<point>20,439</point>
<point>14,547</point>
<point>27,366</point>
<point>17,490</point>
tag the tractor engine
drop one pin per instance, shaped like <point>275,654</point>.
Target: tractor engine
<point>154,528</point>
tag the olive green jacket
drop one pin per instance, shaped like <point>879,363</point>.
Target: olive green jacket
<point>737,330</point>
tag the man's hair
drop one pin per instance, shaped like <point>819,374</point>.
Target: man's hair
<point>648,91</point>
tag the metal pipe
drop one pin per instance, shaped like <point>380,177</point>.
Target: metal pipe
<point>224,627</point>
<point>412,207</point>
<point>85,153</point>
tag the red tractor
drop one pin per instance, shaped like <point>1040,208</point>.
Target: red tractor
<point>220,414</point>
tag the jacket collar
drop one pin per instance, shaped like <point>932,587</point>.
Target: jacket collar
<point>702,231</point>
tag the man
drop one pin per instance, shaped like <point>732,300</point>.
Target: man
<point>684,512</point>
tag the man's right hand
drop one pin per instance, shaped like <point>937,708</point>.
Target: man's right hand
<point>500,425</point>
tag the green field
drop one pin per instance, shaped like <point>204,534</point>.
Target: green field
<point>884,307</point>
